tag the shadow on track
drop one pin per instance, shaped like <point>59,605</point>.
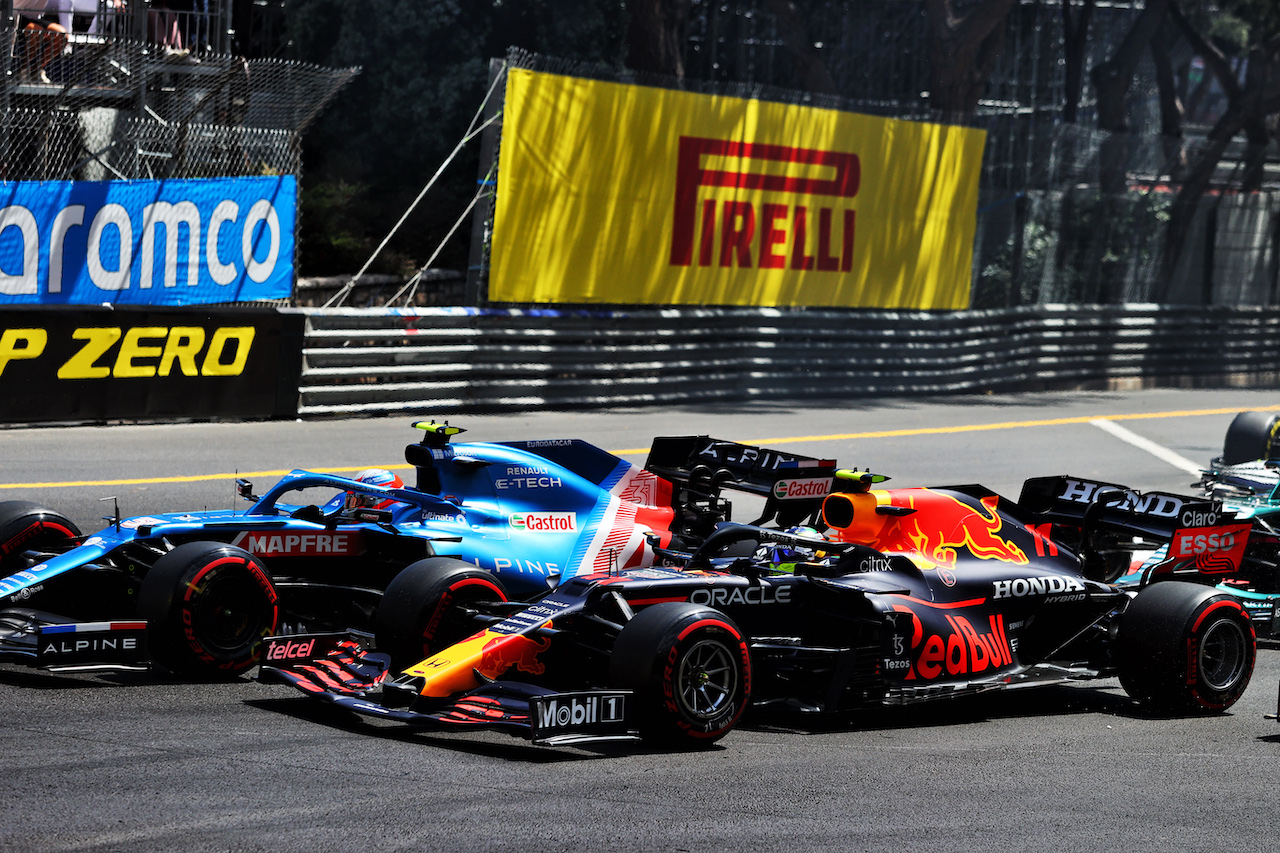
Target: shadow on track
<point>1046,701</point>
<point>107,680</point>
<point>516,749</point>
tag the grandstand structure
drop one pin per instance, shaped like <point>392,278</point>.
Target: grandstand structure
<point>144,92</point>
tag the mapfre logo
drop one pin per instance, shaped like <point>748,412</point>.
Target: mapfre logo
<point>781,234</point>
<point>545,522</point>
<point>300,544</point>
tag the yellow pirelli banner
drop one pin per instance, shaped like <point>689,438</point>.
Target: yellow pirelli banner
<point>627,194</point>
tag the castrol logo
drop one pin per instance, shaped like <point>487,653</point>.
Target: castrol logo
<point>790,490</point>
<point>545,522</point>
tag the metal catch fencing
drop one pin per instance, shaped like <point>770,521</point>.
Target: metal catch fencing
<point>114,109</point>
<point>447,360</point>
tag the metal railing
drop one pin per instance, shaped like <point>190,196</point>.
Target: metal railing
<point>446,360</point>
<point>206,27</point>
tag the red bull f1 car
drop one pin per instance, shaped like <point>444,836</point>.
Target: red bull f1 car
<point>197,592</point>
<point>912,595</point>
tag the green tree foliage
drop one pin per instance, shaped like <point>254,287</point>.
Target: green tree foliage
<point>426,71</point>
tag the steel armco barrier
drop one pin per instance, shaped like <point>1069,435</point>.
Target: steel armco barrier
<point>441,360</point>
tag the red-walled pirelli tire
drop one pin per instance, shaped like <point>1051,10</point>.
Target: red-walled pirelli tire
<point>208,606</point>
<point>1185,647</point>
<point>424,608</point>
<point>690,670</point>
<point>1252,435</point>
<point>25,526</point>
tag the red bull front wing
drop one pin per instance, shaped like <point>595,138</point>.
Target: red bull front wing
<point>351,676</point>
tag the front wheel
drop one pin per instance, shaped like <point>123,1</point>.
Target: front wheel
<point>689,669</point>
<point>28,527</point>
<point>1185,647</point>
<point>1251,436</point>
<point>208,607</point>
<point>426,608</point>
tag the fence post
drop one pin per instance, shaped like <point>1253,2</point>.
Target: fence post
<point>476,291</point>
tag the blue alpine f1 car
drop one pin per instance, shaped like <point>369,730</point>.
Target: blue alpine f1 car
<point>198,591</point>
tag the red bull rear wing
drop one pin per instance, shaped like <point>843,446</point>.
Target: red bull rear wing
<point>1190,536</point>
<point>1079,502</point>
<point>351,676</point>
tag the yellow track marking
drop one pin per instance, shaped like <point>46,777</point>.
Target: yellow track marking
<point>848,436</point>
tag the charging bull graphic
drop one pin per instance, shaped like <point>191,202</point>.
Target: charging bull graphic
<point>489,653</point>
<point>934,528</point>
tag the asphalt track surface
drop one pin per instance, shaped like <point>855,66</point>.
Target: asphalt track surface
<point>143,762</point>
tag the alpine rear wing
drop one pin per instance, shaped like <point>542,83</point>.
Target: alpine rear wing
<point>792,485</point>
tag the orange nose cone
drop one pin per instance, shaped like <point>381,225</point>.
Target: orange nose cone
<point>853,517</point>
<point>488,653</point>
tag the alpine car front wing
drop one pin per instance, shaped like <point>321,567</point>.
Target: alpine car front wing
<point>57,644</point>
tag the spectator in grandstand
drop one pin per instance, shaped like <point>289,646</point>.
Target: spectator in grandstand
<point>42,37</point>
<point>69,10</point>
<point>165,20</point>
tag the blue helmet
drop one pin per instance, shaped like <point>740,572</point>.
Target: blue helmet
<point>782,557</point>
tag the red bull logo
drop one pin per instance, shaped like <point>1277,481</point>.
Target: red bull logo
<point>488,653</point>
<point>778,235</point>
<point>940,529</point>
<point>512,651</point>
<point>964,650</point>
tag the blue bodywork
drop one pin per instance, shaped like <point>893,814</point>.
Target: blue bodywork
<point>484,493</point>
<point>532,513</point>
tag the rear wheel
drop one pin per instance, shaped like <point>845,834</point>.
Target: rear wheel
<point>690,671</point>
<point>26,526</point>
<point>425,608</point>
<point>1185,647</point>
<point>208,607</point>
<point>1251,436</point>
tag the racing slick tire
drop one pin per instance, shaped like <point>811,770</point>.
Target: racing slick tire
<point>1251,436</point>
<point>208,606</point>
<point>689,669</point>
<point>1185,647</point>
<point>424,608</point>
<point>27,526</point>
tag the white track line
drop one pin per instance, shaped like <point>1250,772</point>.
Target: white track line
<point>1162,453</point>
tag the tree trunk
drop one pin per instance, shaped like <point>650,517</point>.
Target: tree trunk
<point>1075,37</point>
<point>1112,80</point>
<point>1247,110</point>
<point>1171,113</point>
<point>1239,113</point>
<point>962,53</point>
<point>1262,75</point>
<point>811,71</point>
<point>656,36</point>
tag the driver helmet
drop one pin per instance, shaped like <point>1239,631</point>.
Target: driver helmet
<point>375,477</point>
<point>782,557</point>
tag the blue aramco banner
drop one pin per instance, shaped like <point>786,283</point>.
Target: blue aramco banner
<point>166,242</point>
